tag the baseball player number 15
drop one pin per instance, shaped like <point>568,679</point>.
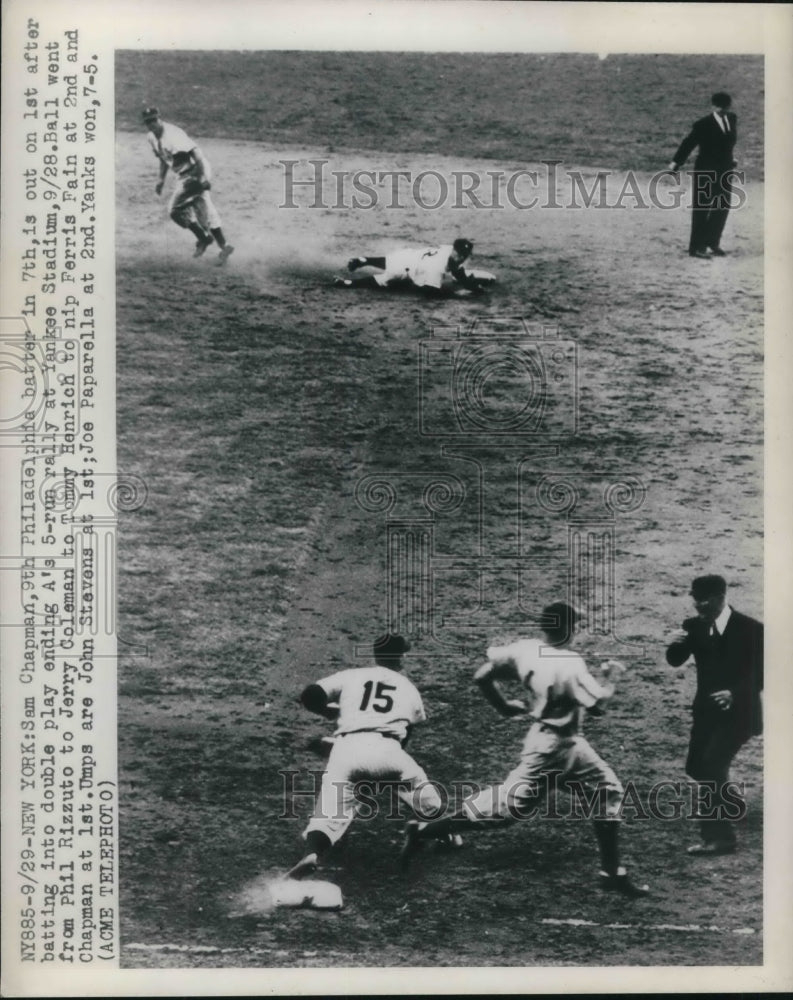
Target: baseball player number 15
<point>381,702</point>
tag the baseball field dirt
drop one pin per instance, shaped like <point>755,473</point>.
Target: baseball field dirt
<point>262,406</point>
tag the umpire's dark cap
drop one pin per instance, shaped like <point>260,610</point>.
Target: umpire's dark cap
<point>721,100</point>
<point>711,585</point>
<point>463,246</point>
<point>149,114</point>
<point>391,645</point>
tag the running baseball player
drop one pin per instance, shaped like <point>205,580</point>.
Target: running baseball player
<point>432,269</point>
<point>561,689</point>
<point>191,206</point>
<point>375,709</point>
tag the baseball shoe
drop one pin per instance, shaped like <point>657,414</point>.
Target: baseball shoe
<point>623,885</point>
<point>355,263</point>
<point>412,843</point>
<point>718,252</point>
<point>305,866</point>
<point>449,842</point>
<point>201,246</point>
<point>342,283</point>
<point>711,848</point>
<point>225,253</point>
<point>699,253</point>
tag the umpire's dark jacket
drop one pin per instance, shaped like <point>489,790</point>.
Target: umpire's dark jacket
<point>734,661</point>
<point>715,147</point>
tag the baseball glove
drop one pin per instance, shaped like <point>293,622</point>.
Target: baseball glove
<point>195,187</point>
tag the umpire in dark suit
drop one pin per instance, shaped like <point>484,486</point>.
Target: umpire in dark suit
<point>727,647</point>
<point>714,138</point>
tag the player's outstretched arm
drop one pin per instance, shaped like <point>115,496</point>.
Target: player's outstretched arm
<point>315,699</point>
<point>594,693</point>
<point>612,668</point>
<point>463,278</point>
<point>163,171</point>
<point>486,678</point>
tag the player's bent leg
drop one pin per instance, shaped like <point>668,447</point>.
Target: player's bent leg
<point>317,844</point>
<point>423,798</point>
<point>203,240</point>
<point>335,809</point>
<point>354,263</point>
<point>421,795</point>
<point>484,810</point>
<point>418,833</point>
<point>522,792</point>
<point>226,250</point>
<point>183,215</point>
<point>206,213</point>
<point>181,212</point>
<point>209,217</point>
<point>360,281</point>
<point>430,806</point>
<point>586,770</point>
<point>607,834</point>
<point>613,877</point>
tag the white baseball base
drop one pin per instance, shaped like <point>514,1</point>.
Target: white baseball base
<point>313,893</point>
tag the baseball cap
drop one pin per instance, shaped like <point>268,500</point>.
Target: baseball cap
<point>562,615</point>
<point>463,246</point>
<point>711,585</point>
<point>149,114</point>
<point>391,645</point>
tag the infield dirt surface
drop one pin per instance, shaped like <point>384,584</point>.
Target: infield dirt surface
<point>254,399</point>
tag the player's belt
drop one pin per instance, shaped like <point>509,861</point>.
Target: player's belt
<point>389,736</point>
<point>565,730</point>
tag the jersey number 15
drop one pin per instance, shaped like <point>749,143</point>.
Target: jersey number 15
<point>381,702</point>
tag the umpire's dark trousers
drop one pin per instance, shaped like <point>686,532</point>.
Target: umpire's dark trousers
<point>711,196</point>
<point>710,754</point>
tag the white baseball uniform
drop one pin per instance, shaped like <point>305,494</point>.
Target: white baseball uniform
<point>376,707</point>
<point>192,207</point>
<point>561,687</point>
<point>425,268</point>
